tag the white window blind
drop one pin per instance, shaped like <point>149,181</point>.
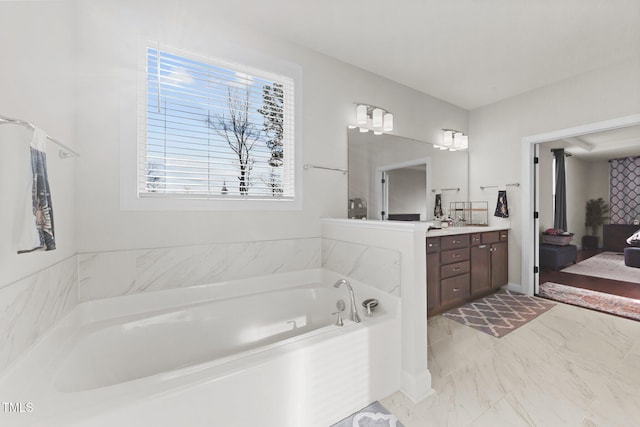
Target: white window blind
<point>214,129</point>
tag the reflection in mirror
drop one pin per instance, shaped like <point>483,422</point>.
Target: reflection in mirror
<point>397,178</point>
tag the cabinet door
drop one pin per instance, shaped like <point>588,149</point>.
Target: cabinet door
<point>480,269</point>
<point>433,282</point>
<point>499,264</point>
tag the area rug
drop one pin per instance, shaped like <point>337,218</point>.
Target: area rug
<point>608,265</point>
<point>614,304</point>
<point>500,313</point>
<point>374,415</point>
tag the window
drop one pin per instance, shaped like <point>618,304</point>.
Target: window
<point>211,129</point>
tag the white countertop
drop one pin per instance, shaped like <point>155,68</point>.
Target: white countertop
<point>412,226</point>
<point>450,231</point>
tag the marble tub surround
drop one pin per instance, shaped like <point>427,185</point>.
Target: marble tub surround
<point>567,367</point>
<point>32,306</point>
<point>378,267</point>
<point>117,273</point>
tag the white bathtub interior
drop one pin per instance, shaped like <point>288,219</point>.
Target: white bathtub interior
<point>228,352</point>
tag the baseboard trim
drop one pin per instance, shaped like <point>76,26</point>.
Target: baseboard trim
<point>416,388</point>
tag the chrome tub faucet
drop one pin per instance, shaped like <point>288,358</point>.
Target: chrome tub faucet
<point>354,311</point>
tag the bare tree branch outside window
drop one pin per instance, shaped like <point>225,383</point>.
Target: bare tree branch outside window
<point>240,133</point>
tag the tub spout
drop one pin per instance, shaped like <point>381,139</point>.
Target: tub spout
<point>354,311</point>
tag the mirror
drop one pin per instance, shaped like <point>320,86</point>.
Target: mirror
<point>392,177</point>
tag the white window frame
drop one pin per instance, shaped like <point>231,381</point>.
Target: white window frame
<point>130,132</point>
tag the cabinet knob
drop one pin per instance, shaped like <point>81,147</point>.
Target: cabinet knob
<point>456,289</point>
<point>455,256</point>
<point>456,241</point>
<point>482,246</point>
<point>456,269</point>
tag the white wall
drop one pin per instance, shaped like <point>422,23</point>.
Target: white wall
<point>408,191</point>
<point>598,180</point>
<point>577,172</point>
<point>36,85</point>
<point>496,131</point>
<point>107,38</point>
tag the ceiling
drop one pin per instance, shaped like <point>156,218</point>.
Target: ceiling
<point>611,144</point>
<point>470,53</point>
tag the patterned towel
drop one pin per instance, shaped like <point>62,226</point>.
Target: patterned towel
<point>502,208</point>
<point>437,210</point>
<point>37,231</point>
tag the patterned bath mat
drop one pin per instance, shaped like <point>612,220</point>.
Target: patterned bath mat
<point>613,304</point>
<point>500,313</point>
<point>608,265</point>
<point>374,415</point>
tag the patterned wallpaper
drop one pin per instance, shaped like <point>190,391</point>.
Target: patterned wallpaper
<point>625,190</point>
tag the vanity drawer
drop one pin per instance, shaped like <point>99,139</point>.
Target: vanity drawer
<point>455,289</point>
<point>454,242</point>
<point>476,239</point>
<point>491,237</point>
<point>455,255</point>
<point>454,269</point>
<point>433,244</point>
<point>504,235</point>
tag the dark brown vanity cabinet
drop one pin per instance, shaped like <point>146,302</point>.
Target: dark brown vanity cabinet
<point>463,267</point>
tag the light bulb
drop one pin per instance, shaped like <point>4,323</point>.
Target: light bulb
<point>361,114</point>
<point>447,138</point>
<point>387,125</point>
<point>377,117</point>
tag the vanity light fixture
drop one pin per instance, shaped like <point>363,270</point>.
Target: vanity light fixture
<point>454,140</point>
<point>370,117</point>
<point>447,138</point>
<point>460,141</point>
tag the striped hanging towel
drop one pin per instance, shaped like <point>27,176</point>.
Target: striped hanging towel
<point>37,231</point>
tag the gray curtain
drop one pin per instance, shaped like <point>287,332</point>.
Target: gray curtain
<point>560,212</point>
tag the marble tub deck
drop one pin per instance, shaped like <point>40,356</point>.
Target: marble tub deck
<point>568,367</point>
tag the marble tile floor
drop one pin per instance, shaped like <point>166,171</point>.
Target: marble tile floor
<point>568,367</point>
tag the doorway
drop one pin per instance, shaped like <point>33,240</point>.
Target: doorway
<point>403,190</point>
<point>531,187</point>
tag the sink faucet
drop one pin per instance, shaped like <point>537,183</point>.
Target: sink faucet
<point>354,311</point>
